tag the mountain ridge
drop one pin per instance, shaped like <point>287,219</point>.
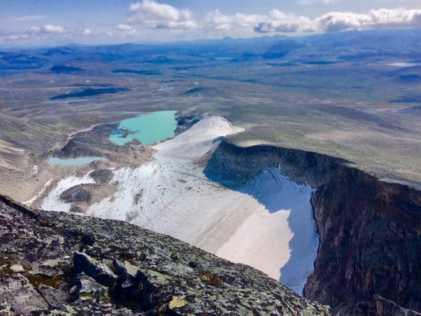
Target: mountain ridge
<point>65,264</point>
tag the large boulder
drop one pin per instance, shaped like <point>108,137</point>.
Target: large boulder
<point>76,194</point>
<point>102,176</point>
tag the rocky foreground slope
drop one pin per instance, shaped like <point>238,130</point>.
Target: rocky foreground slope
<point>369,257</point>
<point>56,263</point>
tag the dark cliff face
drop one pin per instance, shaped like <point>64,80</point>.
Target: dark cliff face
<point>369,257</point>
<point>60,264</point>
<point>240,164</point>
<point>370,235</point>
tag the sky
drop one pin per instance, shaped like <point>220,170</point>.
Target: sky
<point>53,22</point>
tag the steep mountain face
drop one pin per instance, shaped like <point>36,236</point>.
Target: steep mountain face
<point>56,263</point>
<point>368,261</point>
<point>370,244</point>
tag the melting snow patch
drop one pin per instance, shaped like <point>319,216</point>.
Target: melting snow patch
<point>53,202</point>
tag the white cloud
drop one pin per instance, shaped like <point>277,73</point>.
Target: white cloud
<point>218,21</point>
<point>146,16</point>
<point>161,16</point>
<point>278,21</point>
<point>34,32</point>
<point>396,17</point>
<point>126,30</point>
<point>13,37</point>
<point>87,32</point>
<point>48,29</point>
<point>340,21</point>
<point>155,15</point>
<point>312,2</point>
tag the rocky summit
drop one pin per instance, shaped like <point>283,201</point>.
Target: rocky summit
<point>62,264</point>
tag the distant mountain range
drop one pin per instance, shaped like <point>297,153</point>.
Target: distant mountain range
<point>326,48</point>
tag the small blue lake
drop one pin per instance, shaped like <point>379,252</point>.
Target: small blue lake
<point>72,162</point>
<point>149,128</point>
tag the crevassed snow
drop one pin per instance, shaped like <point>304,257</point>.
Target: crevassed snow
<point>267,223</point>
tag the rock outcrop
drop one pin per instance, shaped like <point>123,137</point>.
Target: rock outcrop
<point>370,234</point>
<point>96,143</point>
<point>78,193</point>
<point>369,258</point>
<point>102,176</point>
<point>63,264</point>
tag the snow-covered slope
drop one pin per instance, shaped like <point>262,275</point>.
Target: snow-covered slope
<point>53,202</point>
<point>267,223</point>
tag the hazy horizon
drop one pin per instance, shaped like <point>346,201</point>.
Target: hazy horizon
<point>52,23</point>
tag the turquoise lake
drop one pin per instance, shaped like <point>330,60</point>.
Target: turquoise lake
<point>72,162</point>
<point>149,128</point>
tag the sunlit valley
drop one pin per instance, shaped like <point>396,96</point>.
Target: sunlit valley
<point>272,173</point>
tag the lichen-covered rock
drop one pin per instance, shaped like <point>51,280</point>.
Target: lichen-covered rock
<point>16,290</point>
<point>70,265</point>
<point>98,271</point>
<point>87,288</point>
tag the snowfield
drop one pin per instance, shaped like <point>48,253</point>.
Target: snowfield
<point>52,201</point>
<point>267,223</point>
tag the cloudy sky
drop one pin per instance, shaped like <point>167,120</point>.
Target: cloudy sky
<point>53,22</point>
